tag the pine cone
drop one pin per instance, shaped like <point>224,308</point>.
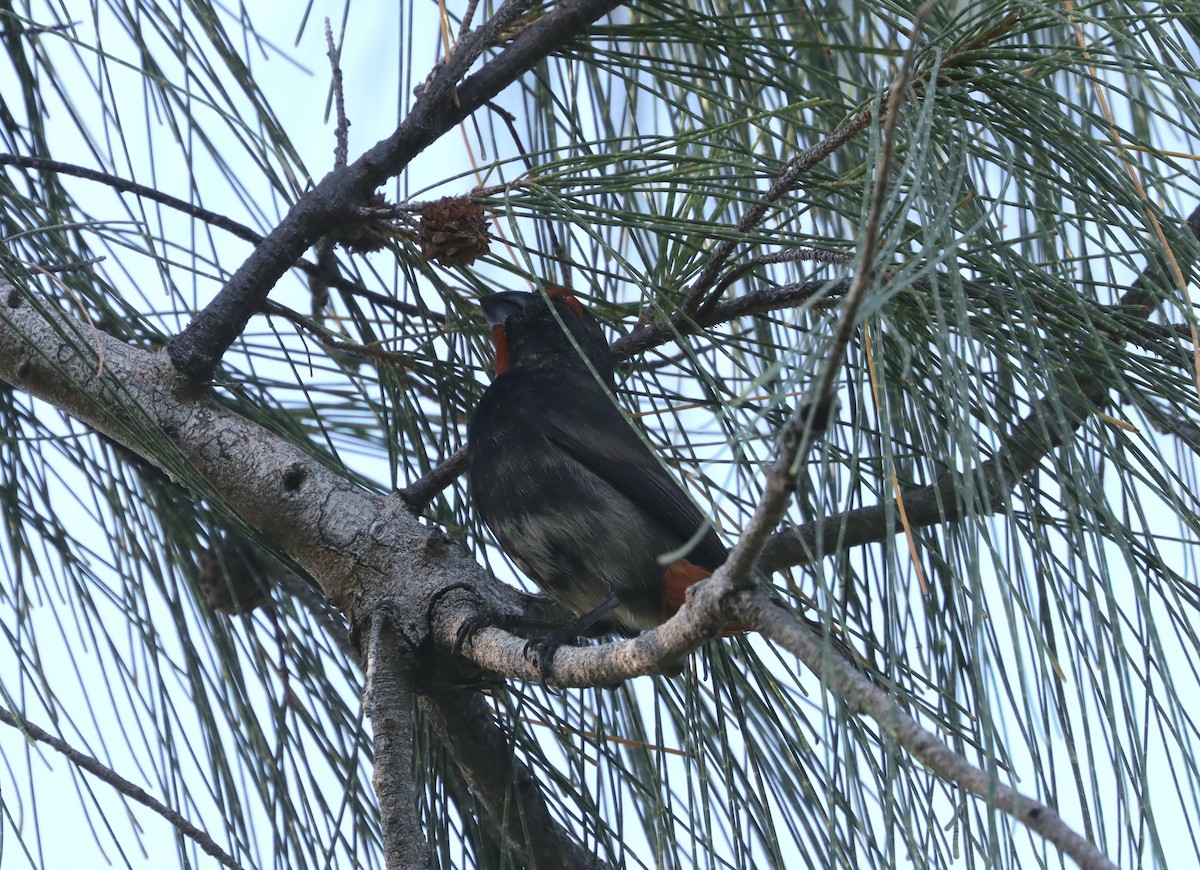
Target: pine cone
<point>229,577</point>
<point>453,231</point>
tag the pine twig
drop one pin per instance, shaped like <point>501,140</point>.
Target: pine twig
<point>107,775</point>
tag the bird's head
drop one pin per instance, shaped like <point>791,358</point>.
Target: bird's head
<point>535,331</point>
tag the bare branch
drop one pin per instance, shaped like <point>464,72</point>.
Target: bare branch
<point>467,16</point>
<point>507,788</point>
<point>211,218</point>
<point>390,702</point>
<point>860,695</point>
<point>754,302</point>
<point>942,501</point>
<point>364,550</point>
<point>124,786</point>
<point>418,494</point>
<point>799,166</point>
<point>124,185</point>
<point>708,605</point>
<point>341,151</point>
<point>443,102</point>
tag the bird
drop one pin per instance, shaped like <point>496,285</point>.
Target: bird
<point>567,484</point>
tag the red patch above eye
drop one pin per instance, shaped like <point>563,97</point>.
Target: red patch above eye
<point>565,295</point>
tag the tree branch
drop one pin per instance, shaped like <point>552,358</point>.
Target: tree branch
<point>124,786</point>
<point>941,501</point>
<point>220,221</point>
<point>708,606</point>
<point>1051,420</point>
<point>364,550</point>
<point>860,695</point>
<point>124,185</point>
<point>755,302</point>
<point>369,554</point>
<point>418,494</point>
<point>196,351</point>
<point>390,705</point>
<point>505,786</point>
<point>696,301</point>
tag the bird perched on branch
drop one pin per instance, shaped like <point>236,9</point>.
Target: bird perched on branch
<point>567,484</point>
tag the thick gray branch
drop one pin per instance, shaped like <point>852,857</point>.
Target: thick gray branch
<point>390,705</point>
<point>362,548</point>
<point>369,554</point>
<point>507,788</point>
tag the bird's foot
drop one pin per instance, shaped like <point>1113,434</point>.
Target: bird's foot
<point>475,624</point>
<point>542,649</point>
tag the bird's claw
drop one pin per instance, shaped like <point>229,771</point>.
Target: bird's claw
<point>472,625</point>
<point>542,649</point>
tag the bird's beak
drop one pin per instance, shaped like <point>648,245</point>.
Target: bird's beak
<point>498,307</point>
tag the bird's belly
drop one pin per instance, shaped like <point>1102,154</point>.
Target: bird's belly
<point>581,540</point>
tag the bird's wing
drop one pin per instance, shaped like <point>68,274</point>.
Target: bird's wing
<point>600,438</point>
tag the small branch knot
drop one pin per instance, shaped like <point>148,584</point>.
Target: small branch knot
<point>293,477</point>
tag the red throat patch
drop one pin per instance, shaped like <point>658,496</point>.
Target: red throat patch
<point>678,577</point>
<point>500,340</point>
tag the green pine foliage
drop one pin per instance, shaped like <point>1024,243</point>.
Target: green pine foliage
<point>1045,629</point>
